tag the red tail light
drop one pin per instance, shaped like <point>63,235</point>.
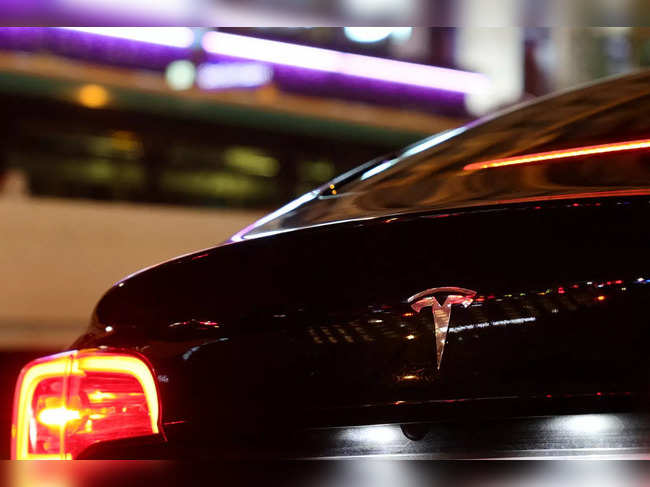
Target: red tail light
<point>66,402</point>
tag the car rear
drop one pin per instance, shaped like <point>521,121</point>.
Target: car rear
<point>298,338</point>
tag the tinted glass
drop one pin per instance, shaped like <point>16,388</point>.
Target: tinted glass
<point>434,173</point>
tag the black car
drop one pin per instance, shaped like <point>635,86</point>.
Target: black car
<point>483,293</point>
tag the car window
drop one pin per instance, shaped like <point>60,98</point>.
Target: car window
<point>598,131</point>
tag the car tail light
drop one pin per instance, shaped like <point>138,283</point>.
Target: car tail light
<point>66,402</point>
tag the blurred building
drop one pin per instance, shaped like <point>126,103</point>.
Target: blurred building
<point>250,118</point>
<point>154,115</point>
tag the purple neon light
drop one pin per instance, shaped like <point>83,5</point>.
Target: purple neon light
<point>349,64</point>
<point>122,47</point>
<point>163,36</point>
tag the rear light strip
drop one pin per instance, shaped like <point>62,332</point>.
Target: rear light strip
<point>64,403</point>
<point>560,154</point>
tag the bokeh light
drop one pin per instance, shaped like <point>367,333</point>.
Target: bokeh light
<point>180,74</point>
<point>93,96</point>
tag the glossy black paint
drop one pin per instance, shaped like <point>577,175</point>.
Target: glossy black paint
<point>305,329</point>
<point>256,343</point>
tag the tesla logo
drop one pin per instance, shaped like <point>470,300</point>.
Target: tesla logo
<point>441,313</point>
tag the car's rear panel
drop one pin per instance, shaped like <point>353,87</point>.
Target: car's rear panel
<point>280,345</point>
<point>298,338</point>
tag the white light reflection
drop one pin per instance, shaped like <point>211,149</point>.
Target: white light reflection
<point>239,236</point>
<point>422,146</point>
<point>374,434</point>
<point>485,324</point>
<point>290,229</point>
<point>416,149</point>
<point>432,141</point>
<point>379,168</point>
<point>587,424</point>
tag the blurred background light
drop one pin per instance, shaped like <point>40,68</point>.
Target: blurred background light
<point>379,168</point>
<point>344,63</point>
<point>402,34</point>
<point>380,12</point>
<point>180,74</point>
<point>93,96</point>
<point>133,12</point>
<point>214,76</point>
<point>270,51</point>
<point>377,34</point>
<point>367,34</point>
<point>252,161</point>
<point>499,54</point>
<point>164,36</point>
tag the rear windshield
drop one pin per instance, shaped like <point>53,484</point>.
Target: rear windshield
<point>595,139</point>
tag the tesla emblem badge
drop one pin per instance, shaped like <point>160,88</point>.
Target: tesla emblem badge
<point>441,313</point>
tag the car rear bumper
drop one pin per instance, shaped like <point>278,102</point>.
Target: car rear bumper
<point>599,435</point>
